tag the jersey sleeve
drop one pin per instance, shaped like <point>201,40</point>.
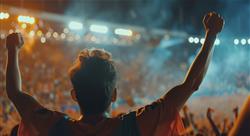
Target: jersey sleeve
<point>40,122</point>
<point>159,119</point>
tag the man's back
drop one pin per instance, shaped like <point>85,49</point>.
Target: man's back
<point>120,126</point>
<point>156,119</point>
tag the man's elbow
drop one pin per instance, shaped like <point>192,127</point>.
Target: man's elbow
<point>192,86</point>
<point>12,93</point>
<point>195,87</point>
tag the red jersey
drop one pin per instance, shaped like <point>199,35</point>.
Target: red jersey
<point>156,119</point>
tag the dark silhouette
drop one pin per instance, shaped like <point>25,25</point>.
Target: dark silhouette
<point>236,112</point>
<point>211,121</point>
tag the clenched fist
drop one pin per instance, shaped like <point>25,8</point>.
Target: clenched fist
<point>213,22</point>
<point>209,112</point>
<point>14,41</point>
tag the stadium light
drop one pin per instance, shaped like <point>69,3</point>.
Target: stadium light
<point>26,19</point>
<point>74,25</point>
<point>123,32</point>
<point>190,39</point>
<point>43,39</point>
<point>4,15</point>
<point>39,33</point>
<point>66,30</point>
<point>55,34</point>
<point>248,41</point>
<point>24,26</point>
<point>48,35</point>
<point>98,28</point>
<point>31,33</point>
<point>11,31</point>
<point>196,40</point>
<point>63,36</point>
<point>243,41</point>
<point>17,30</point>
<point>202,40</point>
<point>217,42</point>
<point>236,41</point>
<point>2,36</point>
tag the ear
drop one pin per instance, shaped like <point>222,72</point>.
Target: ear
<point>114,95</point>
<point>73,95</point>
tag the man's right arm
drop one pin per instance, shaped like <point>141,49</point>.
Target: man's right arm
<point>32,113</point>
<point>24,103</point>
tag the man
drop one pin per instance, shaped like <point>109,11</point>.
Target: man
<point>93,77</point>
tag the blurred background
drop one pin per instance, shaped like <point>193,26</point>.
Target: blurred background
<point>153,43</point>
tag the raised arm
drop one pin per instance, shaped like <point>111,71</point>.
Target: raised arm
<point>13,77</point>
<point>236,112</point>
<point>214,127</point>
<point>24,103</point>
<point>177,96</point>
<point>161,117</point>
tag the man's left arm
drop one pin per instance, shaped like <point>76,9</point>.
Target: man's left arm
<point>178,95</point>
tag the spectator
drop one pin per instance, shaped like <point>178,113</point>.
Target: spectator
<point>93,77</point>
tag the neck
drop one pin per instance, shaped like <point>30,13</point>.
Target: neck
<point>94,119</point>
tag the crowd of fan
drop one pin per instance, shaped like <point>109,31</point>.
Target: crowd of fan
<point>45,77</point>
<point>209,125</point>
